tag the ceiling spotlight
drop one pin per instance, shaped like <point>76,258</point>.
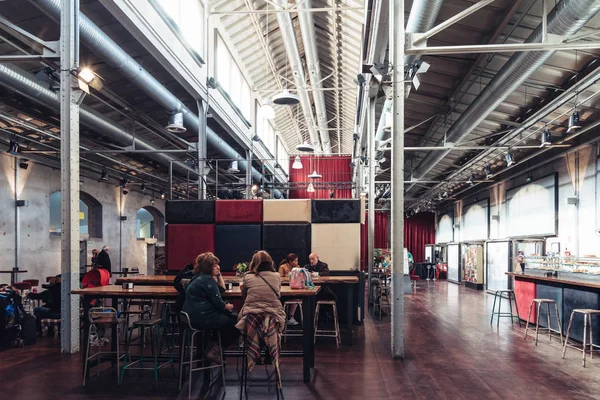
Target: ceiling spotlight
<point>355,137</point>
<point>104,176</point>
<point>315,175</point>
<point>297,163</point>
<point>152,201</point>
<point>125,191</point>
<point>124,182</point>
<point>488,172</point>
<point>546,139</point>
<point>256,138</point>
<point>233,168</point>
<point>529,178</point>
<point>286,98</point>
<point>310,188</point>
<point>305,147</point>
<point>143,187</point>
<point>574,122</point>
<point>87,75</point>
<point>13,148</point>
<point>352,164</point>
<point>471,179</point>
<point>510,160</point>
<point>162,194</point>
<point>440,197</point>
<point>360,79</point>
<point>267,111</point>
<point>176,123</point>
<point>23,164</point>
<point>445,194</point>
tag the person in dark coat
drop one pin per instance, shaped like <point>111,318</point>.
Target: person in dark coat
<point>103,260</point>
<point>320,267</point>
<point>51,308</point>
<point>183,279</point>
<point>205,306</point>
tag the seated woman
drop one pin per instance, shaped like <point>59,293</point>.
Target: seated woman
<point>285,267</point>
<point>262,316</point>
<point>206,308</point>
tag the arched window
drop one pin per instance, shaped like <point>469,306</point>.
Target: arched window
<point>150,223</point>
<point>90,215</point>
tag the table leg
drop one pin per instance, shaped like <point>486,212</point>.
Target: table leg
<point>114,337</point>
<point>308,357</point>
<point>350,313</point>
<point>86,324</point>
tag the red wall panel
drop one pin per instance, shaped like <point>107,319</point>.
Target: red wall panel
<point>185,242</point>
<point>239,211</point>
<point>525,291</point>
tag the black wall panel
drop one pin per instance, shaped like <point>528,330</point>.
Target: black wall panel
<point>190,212</point>
<point>281,239</point>
<point>236,243</point>
<point>335,211</point>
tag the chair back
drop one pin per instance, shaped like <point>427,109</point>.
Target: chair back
<point>185,319</point>
<point>22,285</point>
<point>34,282</point>
<point>97,313</point>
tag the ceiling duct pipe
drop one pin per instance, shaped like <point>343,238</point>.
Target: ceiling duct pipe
<point>97,41</point>
<point>307,29</point>
<point>288,34</point>
<point>567,18</point>
<point>25,83</point>
<point>423,15</point>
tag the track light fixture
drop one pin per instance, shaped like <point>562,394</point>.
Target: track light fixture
<point>256,138</point>
<point>510,160</point>
<point>162,194</point>
<point>104,176</point>
<point>143,187</point>
<point>546,138</point>
<point>152,201</point>
<point>13,148</point>
<point>86,75</point>
<point>355,137</point>
<point>574,123</point>
<point>445,194</point>
<point>488,172</point>
<point>470,180</point>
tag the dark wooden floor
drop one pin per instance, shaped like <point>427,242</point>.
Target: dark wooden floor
<point>452,352</point>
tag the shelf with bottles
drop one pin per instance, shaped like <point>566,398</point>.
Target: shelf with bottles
<point>588,264</point>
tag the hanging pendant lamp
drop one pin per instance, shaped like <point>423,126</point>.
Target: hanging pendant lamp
<point>310,188</point>
<point>297,163</point>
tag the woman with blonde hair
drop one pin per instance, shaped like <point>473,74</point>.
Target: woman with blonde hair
<point>206,308</point>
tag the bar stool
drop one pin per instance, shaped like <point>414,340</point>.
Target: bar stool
<point>189,335</point>
<point>587,321</point>
<point>511,297</point>
<point>539,302</point>
<point>382,291</point>
<point>294,331</point>
<point>168,327</point>
<point>143,324</point>
<point>106,317</point>
<point>53,323</point>
<point>327,332</point>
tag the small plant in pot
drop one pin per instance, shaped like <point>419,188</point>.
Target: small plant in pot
<point>240,269</point>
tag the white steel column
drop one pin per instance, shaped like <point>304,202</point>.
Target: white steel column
<point>397,56</point>
<point>14,276</point>
<point>371,204</point>
<point>69,175</point>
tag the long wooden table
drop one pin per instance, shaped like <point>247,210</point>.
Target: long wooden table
<point>116,292</point>
<point>585,280</point>
<point>161,280</point>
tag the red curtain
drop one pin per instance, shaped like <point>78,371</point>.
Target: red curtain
<point>419,230</point>
<point>381,235</point>
<point>334,169</point>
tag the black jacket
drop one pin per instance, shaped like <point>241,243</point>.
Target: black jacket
<point>103,261</point>
<point>321,267</point>
<point>181,281</point>
<point>51,297</point>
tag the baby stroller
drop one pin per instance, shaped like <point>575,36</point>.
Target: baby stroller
<point>95,278</point>
<point>12,319</point>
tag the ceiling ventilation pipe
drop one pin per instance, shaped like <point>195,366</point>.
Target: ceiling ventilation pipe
<point>568,17</point>
<point>25,83</point>
<point>422,18</point>
<point>293,54</point>
<point>307,28</point>
<point>97,41</point>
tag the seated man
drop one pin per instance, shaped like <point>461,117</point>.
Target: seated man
<point>316,265</point>
<point>51,308</point>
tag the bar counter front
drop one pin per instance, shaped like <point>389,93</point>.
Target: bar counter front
<point>570,291</point>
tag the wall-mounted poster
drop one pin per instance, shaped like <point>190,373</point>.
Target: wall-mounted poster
<point>497,258</point>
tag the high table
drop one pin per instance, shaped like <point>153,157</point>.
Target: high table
<point>349,281</point>
<point>116,292</point>
<point>569,290</point>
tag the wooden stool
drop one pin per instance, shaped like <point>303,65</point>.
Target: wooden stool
<point>537,322</point>
<point>327,332</point>
<point>587,321</point>
<point>511,297</point>
<point>293,331</point>
<point>101,317</point>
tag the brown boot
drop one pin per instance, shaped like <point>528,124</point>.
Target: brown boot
<point>214,354</point>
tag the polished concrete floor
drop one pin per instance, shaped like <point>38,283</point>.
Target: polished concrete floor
<point>452,352</point>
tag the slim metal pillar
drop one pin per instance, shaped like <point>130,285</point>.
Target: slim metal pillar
<point>69,174</point>
<point>15,276</point>
<point>397,56</point>
<point>371,200</point>
<point>201,146</point>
